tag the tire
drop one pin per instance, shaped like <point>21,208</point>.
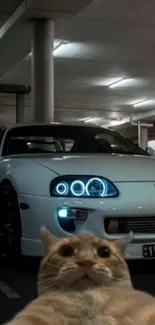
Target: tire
<point>10,222</point>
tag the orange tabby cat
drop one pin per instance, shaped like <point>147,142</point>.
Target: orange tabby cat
<point>84,280</point>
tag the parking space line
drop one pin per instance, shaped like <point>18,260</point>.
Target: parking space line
<point>9,292</point>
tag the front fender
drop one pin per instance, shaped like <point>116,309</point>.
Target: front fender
<point>32,179</point>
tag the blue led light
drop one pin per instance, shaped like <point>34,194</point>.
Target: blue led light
<point>95,187</point>
<point>62,212</point>
<point>83,186</point>
<point>77,188</point>
<point>62,188</point>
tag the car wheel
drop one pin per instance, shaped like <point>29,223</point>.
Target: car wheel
<point>10,222</point>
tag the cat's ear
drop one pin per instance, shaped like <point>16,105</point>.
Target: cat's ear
<point>122,243</point>
<point>47,237</point>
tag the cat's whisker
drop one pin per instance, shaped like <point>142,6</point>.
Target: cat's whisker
<point>50,279</point>
<point>48,282</point>
<point>47,273</point>
<point>49,285</point>
<point>117,267</point>
<point>45,280</point>
<point>118,278</point>
<point>48,288</point>
<point>52,265</point>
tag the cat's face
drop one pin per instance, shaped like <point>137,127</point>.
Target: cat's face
<point>82,261</point>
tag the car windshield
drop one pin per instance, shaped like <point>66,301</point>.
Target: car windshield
<point>58,138</point>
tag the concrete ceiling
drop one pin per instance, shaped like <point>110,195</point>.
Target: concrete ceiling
<point>7,8</point>
<point>107,41</point>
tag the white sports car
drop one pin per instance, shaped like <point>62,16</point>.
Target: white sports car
<point>74,178</point>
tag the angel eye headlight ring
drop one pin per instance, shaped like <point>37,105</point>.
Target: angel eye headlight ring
<point>96,187</point>
<point>62,188</point>
<point>84,186</point>
<point>77,188</point>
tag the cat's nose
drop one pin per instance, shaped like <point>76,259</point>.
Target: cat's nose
<point>86,264</point>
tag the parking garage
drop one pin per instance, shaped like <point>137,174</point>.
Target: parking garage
<point>79,62</point>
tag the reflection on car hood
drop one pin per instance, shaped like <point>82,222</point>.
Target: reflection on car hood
<point>112,166</point>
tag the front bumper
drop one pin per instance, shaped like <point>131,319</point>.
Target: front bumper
<point>34,247</point>
<point>135,200</point>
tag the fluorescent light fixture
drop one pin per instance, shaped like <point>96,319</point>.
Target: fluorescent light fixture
<point>88,120</point>
<point>115,123</point>
<point>102,81</point>
<point>57,45</point>
<point>97,120</point>
<point>138,101</point>
<point>143,103</point>
<point>117,83</point>
<point>125,82</point>
<point>82,119</point>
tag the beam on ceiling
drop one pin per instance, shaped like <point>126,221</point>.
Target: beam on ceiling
<point>14,46</point>
<point>47,9</point>
<point>16,33</point>
<point>16,16</point>
<point>91,109</point>
<point>135,118</point>
<point>145,115</point>
<point>14,89</point>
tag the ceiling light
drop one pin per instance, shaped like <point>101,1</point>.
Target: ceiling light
<point>87,118</point>
<point>117,83</point>
<point>102,81</point>
<point>57,45</point>
<point>115,123</point>
<point>90,119</point>
<point>125,82</point>
<point>138,101</point>
<point>142,103</point>
<point>82,119</point>
<point>112,123</point>
<point>94,120</point>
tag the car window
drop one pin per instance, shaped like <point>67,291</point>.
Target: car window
<point>48,144</point>
<point>67,139</point>
<point>114,143</point>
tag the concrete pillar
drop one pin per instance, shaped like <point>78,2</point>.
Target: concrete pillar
<point>143,137</point>
<point>20,106</point>
<point>43,71</point>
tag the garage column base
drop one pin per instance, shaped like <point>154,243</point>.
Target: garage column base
<point>143,137</point>
<point>20,106</point>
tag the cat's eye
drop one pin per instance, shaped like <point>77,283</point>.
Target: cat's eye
<point>66,251</point>
<point>103,252</point>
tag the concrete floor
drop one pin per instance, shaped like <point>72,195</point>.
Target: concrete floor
<point>18,283</point>
<point>17,286</point>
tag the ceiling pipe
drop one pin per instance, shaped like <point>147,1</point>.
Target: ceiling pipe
<point>147,125</point>
<point>139,124</point>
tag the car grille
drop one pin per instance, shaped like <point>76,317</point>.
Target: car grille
<point>125,224</point>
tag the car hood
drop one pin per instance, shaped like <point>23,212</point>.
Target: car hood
<point>114,167</point>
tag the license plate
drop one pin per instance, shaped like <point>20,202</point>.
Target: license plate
<point>149,251</point>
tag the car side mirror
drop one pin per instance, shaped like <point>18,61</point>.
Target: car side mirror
<point>150,151</point>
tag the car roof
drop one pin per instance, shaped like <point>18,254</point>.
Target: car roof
<point>50,124</point>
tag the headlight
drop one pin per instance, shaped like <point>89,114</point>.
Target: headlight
<point>62,188</point>
<point>83,186</point>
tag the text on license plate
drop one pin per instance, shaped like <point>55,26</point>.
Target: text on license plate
<point>149,251</point>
